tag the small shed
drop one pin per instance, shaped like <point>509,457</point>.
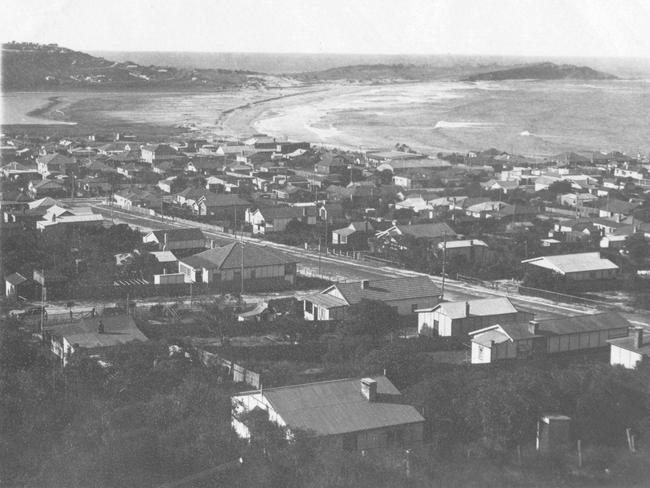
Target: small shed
<point>17,285</point>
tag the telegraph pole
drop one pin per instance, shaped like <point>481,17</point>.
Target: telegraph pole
<point>43,294</point>
<point>319,253</point>
<point>241,244</point>
<point>444,261</point>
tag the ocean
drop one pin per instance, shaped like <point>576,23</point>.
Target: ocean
<point>526,117</point>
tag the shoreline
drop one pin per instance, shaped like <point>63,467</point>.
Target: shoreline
<point>45,111</point>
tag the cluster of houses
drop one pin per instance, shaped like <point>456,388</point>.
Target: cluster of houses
<point>374,201</point>
<point>367,199</point>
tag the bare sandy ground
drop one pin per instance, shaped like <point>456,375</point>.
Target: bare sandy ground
<point>299,116</point>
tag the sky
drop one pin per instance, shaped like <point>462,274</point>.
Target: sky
<point>573,28</point>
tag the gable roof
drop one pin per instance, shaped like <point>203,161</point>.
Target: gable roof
<point>15,279</point>
<point>338,407</point>
<point>118,329</point>
<point>436,230</point>
<point>617,206</point>
<point>388,290</point>
<point>629,344</point>
<point>230,257</point>
<point>281,212</point>
<point>480,307</point>
<point>210,199</point>
<point>48,184</point>
<point>354,227</point>
<point>55,158</point>
<point>583,323</point>
<point>174,235</point>
<point>43,202</point>
<point>461,243</point>
<point>572,263</point>
<point>500,333</point>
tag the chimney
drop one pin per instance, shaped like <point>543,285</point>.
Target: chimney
<point>369,389</point>
<point>466,309</point>
<point>638,337</point>
<point>365,284</point>
<point>533,327</point>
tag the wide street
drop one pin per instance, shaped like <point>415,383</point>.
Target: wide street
<point>342,269</point>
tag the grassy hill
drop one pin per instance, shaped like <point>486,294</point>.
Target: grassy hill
<point>29,66</point>
<point>543,71</point>
<point>387,72</point>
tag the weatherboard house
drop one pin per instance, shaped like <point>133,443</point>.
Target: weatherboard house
<point>224,265</point>
<point>460,318</point>
<point>179,239</point>
<point>92,334</point>
<point>405,295</point>
<point>352,414</point>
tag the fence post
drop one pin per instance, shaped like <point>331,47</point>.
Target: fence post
<point>407,462</point>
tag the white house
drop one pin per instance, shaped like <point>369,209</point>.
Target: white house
<point>503,341</point>
<point>276,219</point>
<point>629,351</point>
<point>460,318</point>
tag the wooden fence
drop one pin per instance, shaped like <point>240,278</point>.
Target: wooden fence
<point>236,372</point>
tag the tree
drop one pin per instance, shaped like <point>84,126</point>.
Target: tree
<point>637,247</point>
<point>369,318</point>
<point>559,188</point>
<point>543,279</point>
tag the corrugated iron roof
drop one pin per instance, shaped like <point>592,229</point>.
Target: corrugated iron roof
<point>389,289</point>
<point>583,323</point>
<point>573,263</point>
<point>230,257</point>
<point>479,307</point>
<point>338,407</point>
<point>118,329</point>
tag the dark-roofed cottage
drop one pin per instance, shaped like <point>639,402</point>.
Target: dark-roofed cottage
<point>404,294</point>
<point>176,239</point>
<point>222,266</point>
<point>353,414</point>
<point>92,333</point>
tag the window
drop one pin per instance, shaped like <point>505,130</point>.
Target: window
<point>308,306</point>
<point>414,307</point>
<point>436,326</point>
<point>350,442</point>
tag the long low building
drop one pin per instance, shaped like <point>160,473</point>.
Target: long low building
<point>577,267</point>
<point>353,414</point>
<point>552,336</point>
